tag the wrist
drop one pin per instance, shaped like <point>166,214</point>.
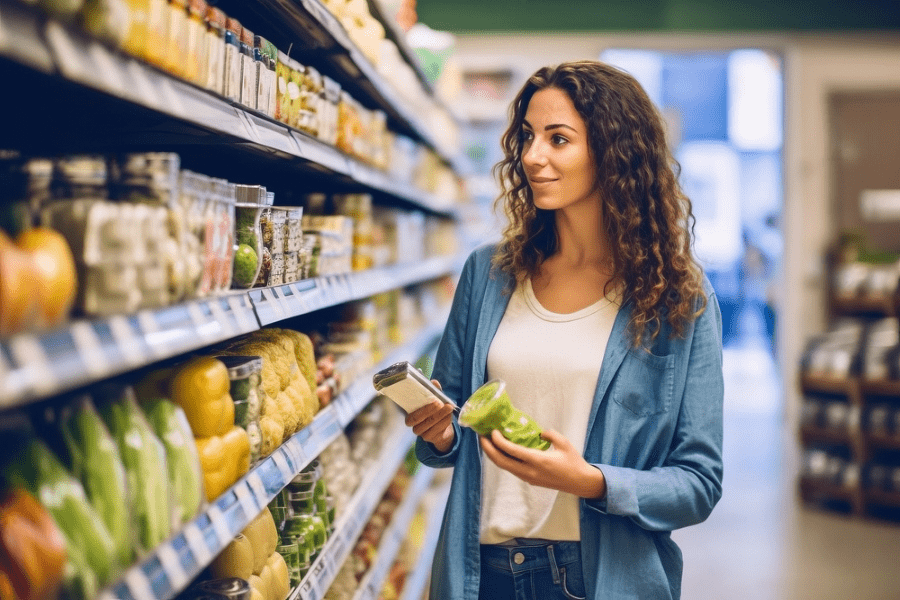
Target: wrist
<point>593,483</point>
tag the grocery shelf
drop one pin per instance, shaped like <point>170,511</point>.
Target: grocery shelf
<point>48,46</point>
<point>881,304</point>
<point>393,536</point>
<point>350,525</point>
<point>40,365</point>
<point>812,434</point>
<point>880,387</point>
<point>828,384</point>
<point>172,566</point>
<point>883,498</point>
<point>887,442</point>
<point>418,577</point>
<point>281,302</point>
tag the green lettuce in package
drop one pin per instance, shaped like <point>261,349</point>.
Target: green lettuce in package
<point>144,457</point>
<point>90,548</point>
<point>95,460</point>
<point>185,474</point>
<point>490,408</point>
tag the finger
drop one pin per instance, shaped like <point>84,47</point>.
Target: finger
<point>438,416</point>
<point>560,441</point>
<point>421,414</point>
<point>438,384</point>
<point>436,431</point>
<point>507,447</point>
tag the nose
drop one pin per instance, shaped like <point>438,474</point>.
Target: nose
<point>533,154</point>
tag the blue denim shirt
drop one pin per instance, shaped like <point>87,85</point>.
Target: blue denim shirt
<point>655,430</point>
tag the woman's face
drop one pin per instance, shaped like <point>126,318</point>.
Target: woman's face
<point>555,152</point>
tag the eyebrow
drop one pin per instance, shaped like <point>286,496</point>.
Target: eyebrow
<point>551,126</point>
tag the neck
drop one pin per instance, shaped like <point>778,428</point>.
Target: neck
<point>582,239</point>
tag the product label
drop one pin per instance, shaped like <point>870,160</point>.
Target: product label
<point>215,66</point>
<point>262,88</point>
<point>232,72</point>
<point>248,82</point>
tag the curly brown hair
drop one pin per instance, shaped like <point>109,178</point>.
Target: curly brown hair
<point>647,218</point>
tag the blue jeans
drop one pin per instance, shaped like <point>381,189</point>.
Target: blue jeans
<point>550,571</point>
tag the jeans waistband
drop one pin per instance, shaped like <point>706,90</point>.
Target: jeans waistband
<point>516,559</point>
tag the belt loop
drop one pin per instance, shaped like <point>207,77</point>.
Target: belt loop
<point>553,568</point>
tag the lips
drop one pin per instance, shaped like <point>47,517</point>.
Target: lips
<point>534,180</point>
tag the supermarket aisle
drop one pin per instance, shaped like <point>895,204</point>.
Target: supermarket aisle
<point>760,542</point>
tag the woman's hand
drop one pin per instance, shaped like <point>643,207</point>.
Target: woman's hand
<point>561,467</point>
<point>434,423</point>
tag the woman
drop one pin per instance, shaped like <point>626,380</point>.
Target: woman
<point>595,313</point>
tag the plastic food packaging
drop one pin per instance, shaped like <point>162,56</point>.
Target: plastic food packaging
<point>248,96</point>
<point>94,458</point>
<point>335,236</point>
<point>197,48</point>
<point>185,474</point>
<point>177,37</point>
<point>245,375</point>
<point>89,547</point>
<point>233,62</point>
<point>144,457</point>
<point>248,251</point>
<point>490,408</point>
<point>215,40</point>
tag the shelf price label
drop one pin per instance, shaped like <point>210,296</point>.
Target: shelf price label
<point>138,584</point>
<point>172,566</point>
<point>247,501</point>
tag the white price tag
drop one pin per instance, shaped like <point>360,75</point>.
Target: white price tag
<point>273,303</point>
<point>283,467</point>
<point>223,532</point>
<point>30,356</point>
<point>308,589</point>
<point>172,566</point>
<point>299,299</point>
<point>138,584</point>
<point>247,501</point>
<point>204,327</point>
<point>126,341</point>
<point>108,69</point>
<point>70,59</point>
<point>197,544</point>
<point>285,304</point>
<point>241,314</point>
<point>141,88</point>
<point>249,126</point>
<point>171,98</point>
<point>89,348</point>
<point>257,487</point>
<point>225,326</point>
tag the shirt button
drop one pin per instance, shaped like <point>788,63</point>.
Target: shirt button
<point>518,558</point>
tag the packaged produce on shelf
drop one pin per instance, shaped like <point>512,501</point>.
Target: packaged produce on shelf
<point>32,548</point>
<point>215,50</point>
<point>333,234</point>
<point>90,552</point>
<point>208,208</point>
<point>328,114</point>
<point>359,208</point>
<point>289,403</point>
<point>340,473</point>
<point>233,59</point>
<point>236,560</point>
<point>144,457</point>
<point>269,575</point>
<point>245,374</point>
<point>248,251</point>
<point>836,352</point>
<point>202,388</point>
<point>176,37</point>
<point>364,29</point>
<point>196,57</point>
<point>264,55</point>
<point>108,20</point>
<point>227,588</point>
<point>182,458</point>
<point>93,457</point>
<point>248,95</point>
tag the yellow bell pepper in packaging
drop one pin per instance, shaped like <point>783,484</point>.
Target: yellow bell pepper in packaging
<point>201,388</point>
<point>225,459</point>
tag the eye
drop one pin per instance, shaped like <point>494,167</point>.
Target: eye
<point>527,135</point>
<point>559,140</point>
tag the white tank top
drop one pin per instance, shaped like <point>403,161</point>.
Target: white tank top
<point>551,363</point>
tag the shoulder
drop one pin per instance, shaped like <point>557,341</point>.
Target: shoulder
<point>479,264</point>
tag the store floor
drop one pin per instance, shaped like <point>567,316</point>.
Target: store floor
<point>761,543</point>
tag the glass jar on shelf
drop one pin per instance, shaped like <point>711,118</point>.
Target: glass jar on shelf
<point>245,375</point>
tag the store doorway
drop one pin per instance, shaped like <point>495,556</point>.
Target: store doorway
<point>724,112</point>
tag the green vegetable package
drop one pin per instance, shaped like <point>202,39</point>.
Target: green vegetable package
<point>489,408</point>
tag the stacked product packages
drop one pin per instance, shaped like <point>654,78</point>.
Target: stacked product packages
<point>144,233</point>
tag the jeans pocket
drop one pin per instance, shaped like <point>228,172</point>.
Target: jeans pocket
<point>572,587</point>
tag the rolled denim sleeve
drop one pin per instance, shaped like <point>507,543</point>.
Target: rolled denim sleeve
<point>448,365</point>
<point>688,484</point>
